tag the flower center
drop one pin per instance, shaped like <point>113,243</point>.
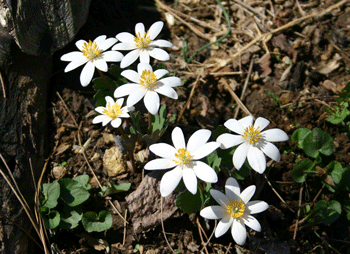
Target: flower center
<point>182,156</point>
<point>90,50</point>
<point>142,41</point>
<point>148,79</point>
<point>252,134</point>
<point>112,111</point>
<point>236,208</point>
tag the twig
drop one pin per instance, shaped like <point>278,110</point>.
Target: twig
<point>228,248</point>
<point>68,110</point>
<point>124,233</point>
<point>245,85</point>
<point>2,85</point>
<point>325,242</point>
<point>212,234</point>
<point>251,9</point>
<point>200,229</point>
<point>162,222</point>
<point>189,98</point>
<point>298,213</point>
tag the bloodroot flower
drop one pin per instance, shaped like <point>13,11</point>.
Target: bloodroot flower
<point>112,112</point>
<point>142,44</point>
<point>92,54</point>
<point>235,210</point>
<point>253,142</point>
<point>147,84</point>
<point>185,159</point>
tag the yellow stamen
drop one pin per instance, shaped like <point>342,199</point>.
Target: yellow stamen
<point>148,79</point>
<point>236,208</point>
<point>90,50</point>
<point>183,156</point>
<point>142,41</point>
<point>112,111</point>
<point>252,134</point>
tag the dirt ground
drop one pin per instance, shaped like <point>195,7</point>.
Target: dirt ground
<point>285,60</point>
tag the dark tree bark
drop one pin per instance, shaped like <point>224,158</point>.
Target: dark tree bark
<point>30,31</point>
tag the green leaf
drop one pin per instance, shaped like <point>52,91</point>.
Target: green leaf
<point>114,188</point>
<point>51,218</point>
<point>338,116</point>
<point>299,135</point>
<point>346,207</point>
<point>72,192</point>
<point>70,217</point>
<point>300,170</point>
<point>213,160</point>
<point>335,171</point>
<point>97,223</point>
<point>318,142</point>
<point>190,203</point>
<point>160,121</point>
<point>83,180</point>
<point>345,181</point>
<point>51,192</point>
<point>328,213</point>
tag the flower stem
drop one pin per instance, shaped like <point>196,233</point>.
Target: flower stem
<point>105,80</point>
<point>150,118</point>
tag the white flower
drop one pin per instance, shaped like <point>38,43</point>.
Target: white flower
<point>112,112</point>
<point>142,45</point>
<point>147,84</point>
<point>234,210</point>
<point>185,159</point>
<point>252,141</point>
<point>94,54</point>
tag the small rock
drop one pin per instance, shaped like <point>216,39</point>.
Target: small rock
<point>114,162</point>
<point>108,138</point>
<point>59,171</point>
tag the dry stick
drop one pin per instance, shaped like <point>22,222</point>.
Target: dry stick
<point>251,9</point>
<point>245,86</point>
<point>235,97</point>
<point>98,182</point>
<point>69,112</point>
<point>162,222</point>
<point>196,31</point>
<point>212,234</point>
<point>200,229</point>
<point>189,98</point>
<point>124,233</point>
<point>2,85</point>
<point>298,214</point>
<point>228,248</point>
<point>268,35</point>
<point>278,195</point>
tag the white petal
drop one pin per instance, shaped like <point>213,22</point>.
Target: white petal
<point>204,172</point>
<point>159,164</point>
<point>76,63</point>
<point>190,180</point>
<point>235,126</point>
<point>169,181</point>
<point>198,139</point>
<point>205,150</point>
<point>112,56</point>
<point>271,151</point>
<point>116,122</point>
<point>100,109</point>
<point>125,89</point>
<point>99,119</point>
<point>172,81</point>
<point>257,206</point>
<point>124,46</point>
<point>178,138</point>
<point>144,56</point>
<point>107,44</point>
<point>130,58</point>
<point>109,100</point>
<point>227,140</point>
<point>140,28</point>
<point>155,29</point>
<point>159,54</point>
<point>256,159</point>
<point>87,73</point>
<point>223,225</point>
<point>274,135</point>
<point>239,232</point>
<point>125,37</point>
<point>163,150</point>
<point>144,66</point>
<point>232,189</point>
<point>79,44</point>
<point>240,155</point>
<point>136,95</point>
<point>246,121</point>
<point>248,193</point>
<point>69,57</point>
<point>162,43</point>
<point>131,75</point>
<point>253,223</point>
<point>220,198</point>
<point>100,40</point>
<point>213,212</point>
<point>152,103</point>
<point>120,102</point>
<point>100,64</point>
<point>166,91</point>
<point>159,73</point>
<point>261,123</point>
